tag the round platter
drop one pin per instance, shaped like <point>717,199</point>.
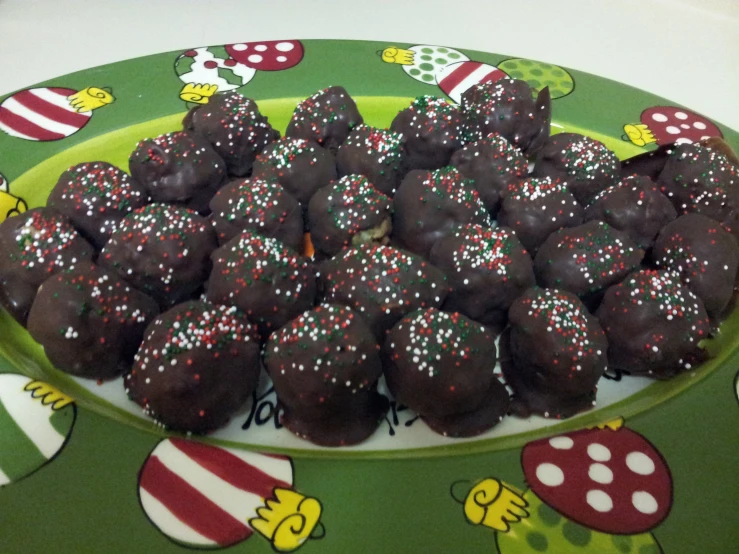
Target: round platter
<point>117,483</point>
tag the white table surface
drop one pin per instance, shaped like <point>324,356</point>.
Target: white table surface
<point>684,50</point>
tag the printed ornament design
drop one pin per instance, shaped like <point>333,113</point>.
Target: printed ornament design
<point>424,62</point>
<point>455,79</point>
<point>35,423</point>
<point>665,125</point>
<point>210,70</point>
<point>10,204</point>
<point>50,113</point>
<point>204,496</point>
<point>539,75</point>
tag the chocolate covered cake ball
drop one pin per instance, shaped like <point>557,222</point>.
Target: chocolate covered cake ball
<point>382,284</point>
<point>585,164</point>
<point>327,118</point>
<point>95,196</point>
<point>587,259</point>
<point>259,206</point>
<point>492,163</point>
<point>90,322</point>
<point>654,325</point>
<point>432,130</point>
<point>162,250</point>
<point>507,107</point>
<point>536,207</point>
<point>235,129</point>
<point>324,366</point>
<point>558,354</point>
<point>692,170</point>
<point>487,269</point>
<point>378,154</point>
<point>635,206</point>
<point>349,211</point>
<point>179,168</point>
<point>262,277</point>
<point>440,365</point>
<point>34,246</point>
<point>197,366</point>
<point>430,204</point>
<point>704,254</point>
<point>300,166</point>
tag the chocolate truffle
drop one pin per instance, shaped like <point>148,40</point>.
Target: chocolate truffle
<point>558,354</point>
<point>647,164</point>
<point>507,107</point>
<point>262,277</point>
<point>585,164</point>
<point>179,168</point>
<point>378,154</point>
<point>259,206</point>
<point>324,366</point>
<point>440,365</point>
<point>233,126</point>
<point>492,163</point>
<point>586,259</point>
<point>197,366</point>
<point>34,246</point>
<point>635,206</point>
<point>95,196</point>
<point>90,322</point>
<point>704,254</point>
<point>300,166</point>
<point>382,284</point>
<point>327,118</point>
<point>487,269</point>
<point>349,211</point>
<point>693,169</point>
<point>535,208</point>
<point>430,204</point>
<point>162,250</point>
<point>653,324</point>
<point>432,130</point>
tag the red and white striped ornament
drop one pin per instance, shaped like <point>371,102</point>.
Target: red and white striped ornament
<point>204,496</point>
<point>457,78</point>
<point>41,114</point>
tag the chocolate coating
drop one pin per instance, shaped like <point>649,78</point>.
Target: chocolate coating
<point>704,254</point>
<point>34,246</point>
<point>535,208</point>
<point>653,324</point>
<point>378,154</point>
<point>487,269</point>
<point>349,211</point>
<point>233,126</point>
<point>258,206</point>
<point>262,277</point>
<point>382,284</point>
<point>95,196</point>
<point>507,107</point>
<point>327,118</point>
<point>635,206</point>
<point>432,130</point>
<point>324,366</point>
<point>429,204</point>
<point>558,354</point>
<point>90,322</point>
<point>647,164</point>
<point>197,366</point>
<point>300,166</point>
<point>179,168</point>
<point>585,164</point>
<point>451,386</point>
<point>162,250</point>
<point>692,170</point>
<point>586,259</point>
<point>492,163</point>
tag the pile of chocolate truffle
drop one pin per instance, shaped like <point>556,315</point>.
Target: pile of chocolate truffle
<point>343,252</point>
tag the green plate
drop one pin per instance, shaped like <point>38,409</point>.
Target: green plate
<point>119,484</point>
